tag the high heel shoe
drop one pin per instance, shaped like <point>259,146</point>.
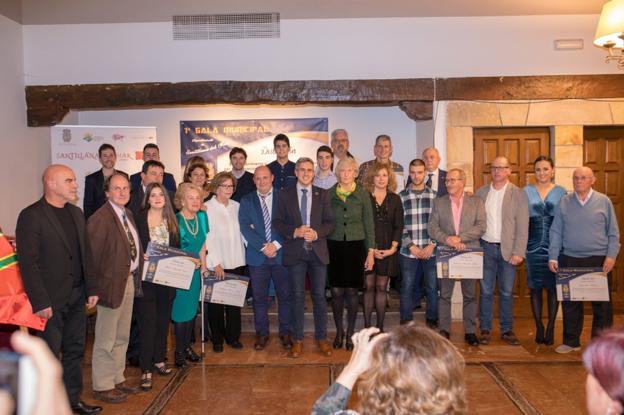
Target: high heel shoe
<point>338,340</point>
<point>549,337</point>
<point>180,359</point>
<point>539,334</point>
<point>192,356</point>
<point>349,344</point>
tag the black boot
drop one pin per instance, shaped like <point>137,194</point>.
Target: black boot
<point>180,330</point>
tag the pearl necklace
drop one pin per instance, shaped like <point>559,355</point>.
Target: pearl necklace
<point>192,230</point>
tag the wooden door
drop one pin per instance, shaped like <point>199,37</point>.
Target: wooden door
<point>521,146</point>
<point>603,152</point>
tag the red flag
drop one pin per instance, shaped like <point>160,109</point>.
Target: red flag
<point>15,308</point>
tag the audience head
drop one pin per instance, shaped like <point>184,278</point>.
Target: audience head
<point>197,174</point>
<point>59,185</point>
<point>304,170</point>
<point>157,197</point>
<point>238,157</point>
<point>455,182</point>
<point>500,170</point>
<point>417,172</point>
<point>188,198</point>
<point>263,179</point>
<point>153,171</point>
<point>383,148</point>
<point>281,145</point>
<point>223,185</point>
<point>340,142</point>
<point>431,157</point>
<point>107,155</point>
<point>117,189</point>
<point>583,179</point>
<point>347,171</point>
<point>544,168</point>
<point>413,370</point>
<point>324,158</point>
<point>191,162</point>
<point>151,152</point>
<point>604,361</point>
<point>380,176</point>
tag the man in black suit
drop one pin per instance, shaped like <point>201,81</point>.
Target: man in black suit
<point>304,218</point>
<point>436,177</point>
<point>56,267</point>
<point>94,196</point>
<point>152,152</point>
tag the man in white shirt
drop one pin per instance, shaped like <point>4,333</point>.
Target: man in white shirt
<point>504,246</point>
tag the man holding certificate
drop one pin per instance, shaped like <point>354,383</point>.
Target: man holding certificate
<point>584,233</point>
<point>458,221</point>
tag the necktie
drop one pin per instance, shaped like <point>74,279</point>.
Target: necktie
<point>267,218</point>
<point>304,206</point>
<point>429,183</point>
<point>133,249</point>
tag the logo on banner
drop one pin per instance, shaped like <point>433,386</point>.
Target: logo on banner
<point>117,137</point>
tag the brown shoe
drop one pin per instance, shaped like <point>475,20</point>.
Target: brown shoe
<point>485,337</point>
<point>510,338</point>
<point>110,396</point>
<point>325,347</point>
<point>125,388</point>
<point>286,341</point>
<point>261,342</point>
<point>296,349</point>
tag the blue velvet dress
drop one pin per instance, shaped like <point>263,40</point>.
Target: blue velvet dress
<point>541,215</point>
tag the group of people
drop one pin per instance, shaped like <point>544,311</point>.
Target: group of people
<point>338,223</point>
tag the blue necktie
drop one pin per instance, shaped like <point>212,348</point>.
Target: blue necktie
<point>267,218</point>
<point>429,181</point>
<point>304,206</point>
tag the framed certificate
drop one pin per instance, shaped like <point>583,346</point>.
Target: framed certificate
<point>229,291</point>
<point>582,284</point>
<point>466,264</point>
<point>169,266</point>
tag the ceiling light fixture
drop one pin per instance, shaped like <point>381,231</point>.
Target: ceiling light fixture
<point>610,31</point>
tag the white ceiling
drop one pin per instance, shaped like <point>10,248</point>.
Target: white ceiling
<point>117,11</point>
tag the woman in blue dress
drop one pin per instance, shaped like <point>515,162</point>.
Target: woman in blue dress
<point>544,197</point>
<point>193,224</point>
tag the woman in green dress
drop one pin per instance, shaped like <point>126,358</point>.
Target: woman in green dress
<point>193,230</point>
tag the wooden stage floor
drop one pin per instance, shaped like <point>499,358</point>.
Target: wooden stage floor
<point>501,379</point>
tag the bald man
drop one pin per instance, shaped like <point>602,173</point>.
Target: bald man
<point>263,255</point>
<point>55,262</point>
<point>504,247</point>
<point>584,233</point>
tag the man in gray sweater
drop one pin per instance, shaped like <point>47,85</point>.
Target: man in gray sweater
<point>584,233</point>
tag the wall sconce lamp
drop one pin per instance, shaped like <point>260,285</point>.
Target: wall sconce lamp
<point>610,31</point>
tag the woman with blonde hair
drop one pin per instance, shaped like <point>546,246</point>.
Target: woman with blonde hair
<point>410,370</point>
<point>380,181</point>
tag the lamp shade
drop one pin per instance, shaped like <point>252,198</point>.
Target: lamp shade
<point>611,24</point>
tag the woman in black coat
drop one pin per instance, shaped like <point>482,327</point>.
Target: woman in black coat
<point>156,222</point>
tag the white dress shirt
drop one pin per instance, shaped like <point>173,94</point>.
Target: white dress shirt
<point>494,214</point>
<point>224,242</point>
<point>589,195</point>
<point>120,214</point>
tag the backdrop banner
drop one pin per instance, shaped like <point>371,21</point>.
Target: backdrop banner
<point>213,140</point>
<point>77,146</point>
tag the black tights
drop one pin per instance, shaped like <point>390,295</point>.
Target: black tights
<point>339,295</point>
<point>183,333</point>
<point>375,297</point>
<point>536,307</point>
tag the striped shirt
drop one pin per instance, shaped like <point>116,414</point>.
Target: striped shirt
<point>417,207</point>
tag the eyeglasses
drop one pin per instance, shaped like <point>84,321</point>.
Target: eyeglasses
<point>494,168</point>
<point>452,180</point>
<point>227,186</point>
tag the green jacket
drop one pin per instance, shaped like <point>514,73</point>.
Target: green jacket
<point>354,218</point>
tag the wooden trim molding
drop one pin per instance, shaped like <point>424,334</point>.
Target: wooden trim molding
<point>48,104</point>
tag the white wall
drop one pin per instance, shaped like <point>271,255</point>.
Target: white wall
<point>363,125</point>
<point>314,49</point>
<point>24,152</point>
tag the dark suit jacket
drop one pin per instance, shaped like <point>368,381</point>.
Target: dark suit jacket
<point>168,181</point>
<point>441,184</point>
<point>252,227</point>
<point>288,218</point>
<point>45,257</point>
<point>94,196</point>
<point>472,222</point>
<point>111,255</point>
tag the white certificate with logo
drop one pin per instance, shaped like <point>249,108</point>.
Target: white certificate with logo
<point>169,266</point>
<point>453,264</point>
<point>582,284</point>
<point>229,291</point>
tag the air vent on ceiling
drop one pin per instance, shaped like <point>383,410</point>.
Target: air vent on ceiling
<point>226,26</point>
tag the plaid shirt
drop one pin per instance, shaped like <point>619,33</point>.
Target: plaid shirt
<point>417,208</point>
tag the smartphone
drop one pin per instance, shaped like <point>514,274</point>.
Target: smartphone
<point>19,378</point>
